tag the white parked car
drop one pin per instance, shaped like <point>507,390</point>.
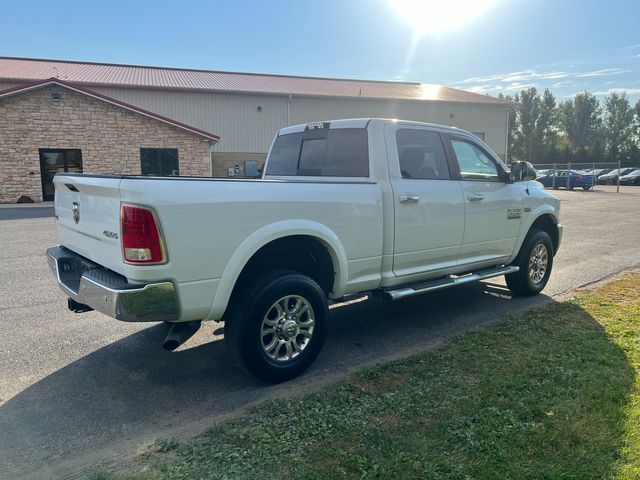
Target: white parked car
<point>392,208</point>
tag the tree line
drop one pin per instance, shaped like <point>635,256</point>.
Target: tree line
<point>579,130</point>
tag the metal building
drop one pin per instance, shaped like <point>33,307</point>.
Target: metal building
<point>246,109</point>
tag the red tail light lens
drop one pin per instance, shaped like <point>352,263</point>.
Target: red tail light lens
<point>141,241</point>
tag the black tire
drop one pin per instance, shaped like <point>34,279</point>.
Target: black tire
<point>521,282</point>
<point>586,187</point>
<point>246,319</point>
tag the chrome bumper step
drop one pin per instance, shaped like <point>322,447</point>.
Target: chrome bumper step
<point>442,283</point>
<point>92,287</point>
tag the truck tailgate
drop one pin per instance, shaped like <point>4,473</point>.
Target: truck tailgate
<point>88,217</point>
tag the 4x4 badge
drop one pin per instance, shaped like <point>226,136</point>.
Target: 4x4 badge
<point>514,213</point>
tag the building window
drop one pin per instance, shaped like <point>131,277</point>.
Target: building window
<point>54,161</point>
<point>160,162</point>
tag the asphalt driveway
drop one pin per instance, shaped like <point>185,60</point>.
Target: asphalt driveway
<point>75,389</point>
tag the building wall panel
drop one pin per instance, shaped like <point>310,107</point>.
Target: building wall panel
<point>236,118</point>
<point>244,128</point>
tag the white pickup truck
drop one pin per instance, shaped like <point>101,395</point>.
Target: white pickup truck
<point>393,208</point>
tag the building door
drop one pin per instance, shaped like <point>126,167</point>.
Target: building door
<point>53,161</point>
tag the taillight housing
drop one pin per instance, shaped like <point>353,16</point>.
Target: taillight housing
<point>141,241</point>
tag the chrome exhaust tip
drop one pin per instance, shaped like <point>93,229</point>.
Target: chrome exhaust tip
<point>179,333</point>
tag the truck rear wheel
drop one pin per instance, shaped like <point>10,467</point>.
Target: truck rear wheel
<point>276,325</point>
<point>535,260</point>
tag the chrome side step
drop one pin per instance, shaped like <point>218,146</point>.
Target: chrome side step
<point>441,283</point>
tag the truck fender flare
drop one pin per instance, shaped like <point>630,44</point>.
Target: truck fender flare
<point>267,234</point>
<point>539,211</point>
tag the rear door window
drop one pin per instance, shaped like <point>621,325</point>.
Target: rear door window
<point>341,152</point>
<point>283,159</point>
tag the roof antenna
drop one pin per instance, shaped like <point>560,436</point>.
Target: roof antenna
<point>57,73</point>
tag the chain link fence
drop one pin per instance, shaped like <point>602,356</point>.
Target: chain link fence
<point>587,168</point>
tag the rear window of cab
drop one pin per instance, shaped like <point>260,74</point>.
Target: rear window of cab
<point>341,152</point>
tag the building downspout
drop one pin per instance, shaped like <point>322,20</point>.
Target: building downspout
<point>211,145</point>
<point>289,111</point>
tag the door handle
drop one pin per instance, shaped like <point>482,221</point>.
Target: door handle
<point>475,197</point>
<point>409,198</point>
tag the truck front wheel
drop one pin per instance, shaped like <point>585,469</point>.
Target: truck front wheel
<point>535,260</point>
<point>276,325</point>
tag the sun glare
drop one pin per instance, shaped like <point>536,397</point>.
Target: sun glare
<point>438,16</point>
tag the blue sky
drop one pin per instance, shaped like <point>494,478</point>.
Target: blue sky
<point>565,45</point>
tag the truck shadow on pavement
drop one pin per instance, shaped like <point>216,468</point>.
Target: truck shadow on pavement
<point>132,391</point>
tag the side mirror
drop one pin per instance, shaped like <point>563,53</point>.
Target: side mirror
<point>522,172</point>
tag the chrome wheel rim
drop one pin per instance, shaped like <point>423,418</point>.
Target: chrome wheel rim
<point>538,262</point>
<point>287,328</point>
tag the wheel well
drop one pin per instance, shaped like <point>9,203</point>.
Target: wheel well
<point>547,223</point>
<point>301,253</point>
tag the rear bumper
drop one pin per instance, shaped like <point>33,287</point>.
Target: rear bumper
<point>107,292</point>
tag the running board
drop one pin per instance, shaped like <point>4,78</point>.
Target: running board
<point>441,283</point>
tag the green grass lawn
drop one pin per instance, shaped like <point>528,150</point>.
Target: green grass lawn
<point>550,394</point>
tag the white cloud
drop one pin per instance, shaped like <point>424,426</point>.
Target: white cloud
<point>486,88</point>
<point>519,86</point>
<point>533,75</point>
<point>628,91</point>
<point>601,73</point>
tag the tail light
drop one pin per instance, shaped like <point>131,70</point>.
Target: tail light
<point>141,242</point>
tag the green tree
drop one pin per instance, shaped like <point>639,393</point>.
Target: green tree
<point>512,126</point>
<point>636,110</point>
<point>619,127</point>
<point>579,120</point>
<point>535,132</point>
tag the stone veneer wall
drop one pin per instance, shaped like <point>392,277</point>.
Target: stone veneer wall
<point>109,136</point>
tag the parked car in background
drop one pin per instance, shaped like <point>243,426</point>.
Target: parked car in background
<point>567,179</point>
<point>541,173</point>
<point>612,177</point>
<point>598,171</point>
<point>632,178</point>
